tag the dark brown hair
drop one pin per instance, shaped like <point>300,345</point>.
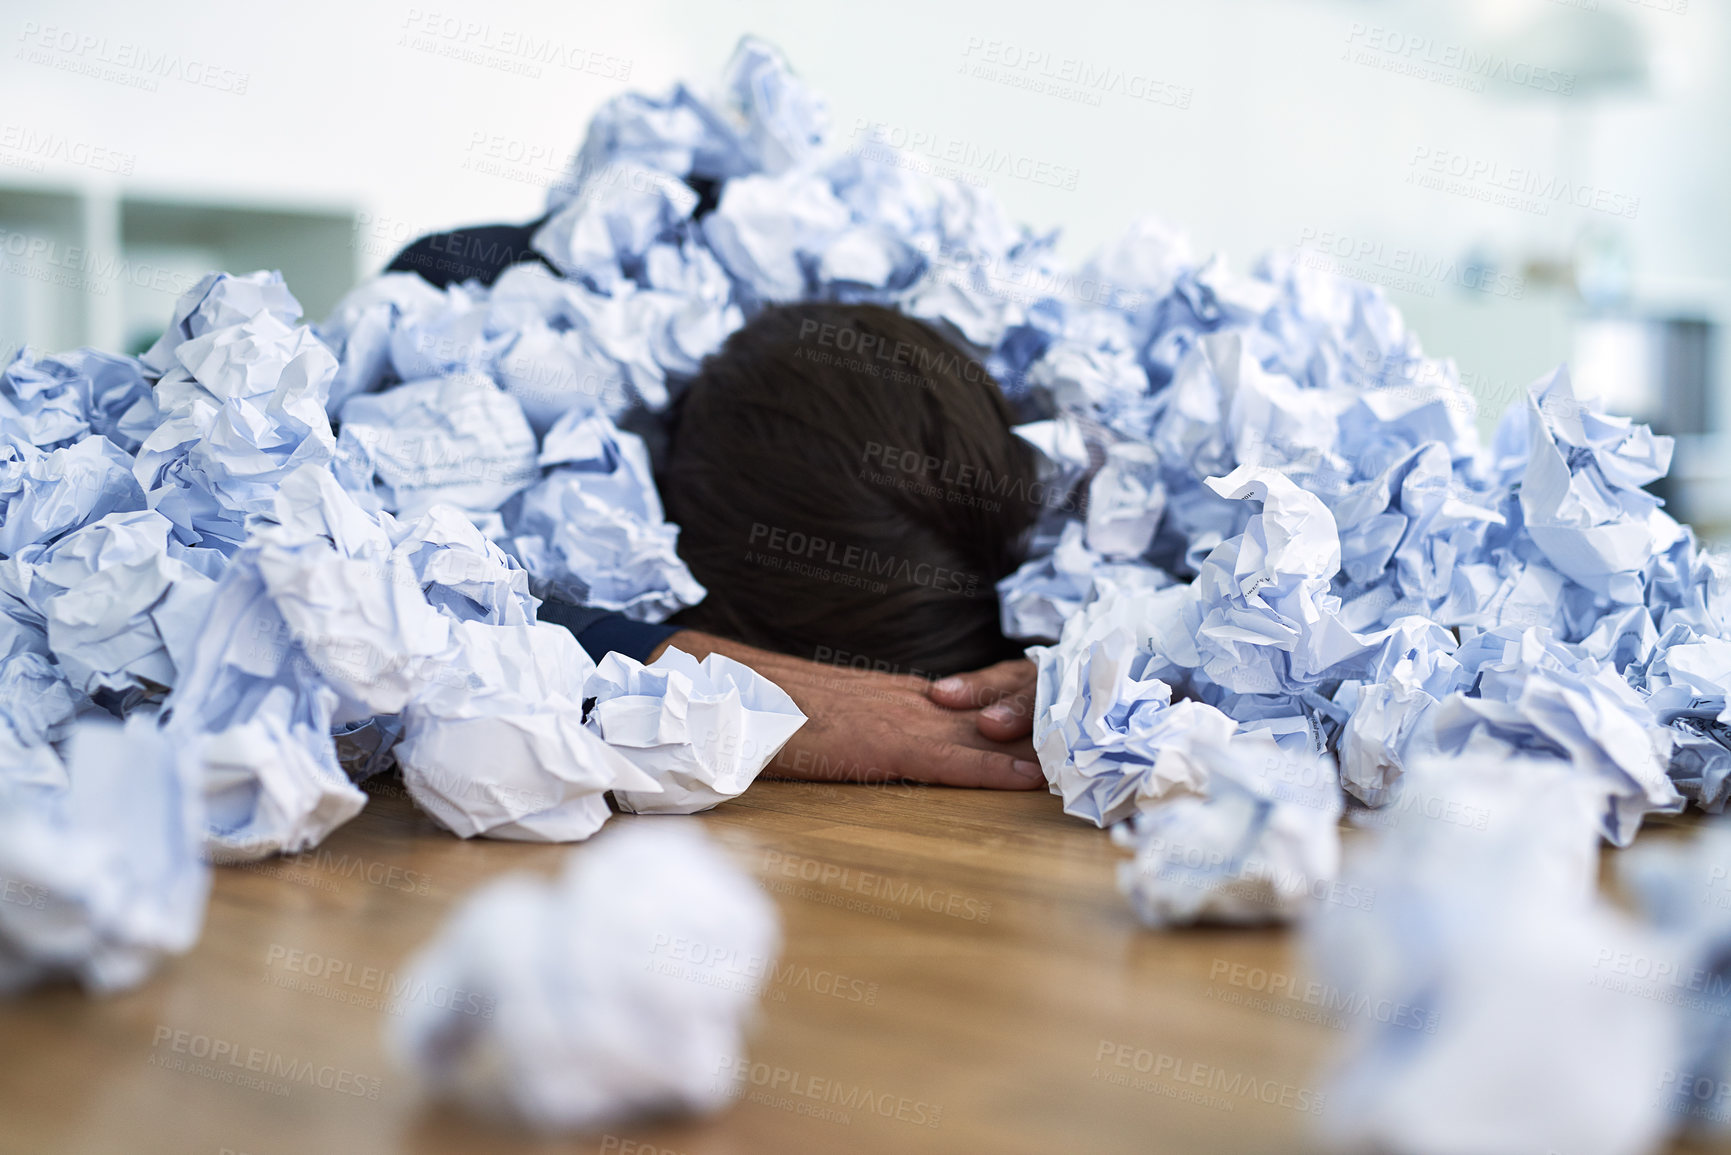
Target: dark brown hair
<point>848,487</point>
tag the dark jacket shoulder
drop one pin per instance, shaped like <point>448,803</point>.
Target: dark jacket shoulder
<point>479,252</point>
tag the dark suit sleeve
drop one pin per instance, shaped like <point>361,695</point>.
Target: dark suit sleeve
<point>479,253</point>
<point>482,252</point>
<point>602,631</point>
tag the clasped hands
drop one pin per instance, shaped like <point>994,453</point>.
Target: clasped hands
<point>966,730</point>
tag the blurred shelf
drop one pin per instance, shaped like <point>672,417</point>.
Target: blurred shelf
<point>102,265</point>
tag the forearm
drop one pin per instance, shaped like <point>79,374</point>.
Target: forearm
<point>871,727</point>
<point>700,645</point>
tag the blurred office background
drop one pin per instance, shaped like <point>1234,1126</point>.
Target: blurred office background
<point>1533,180</point>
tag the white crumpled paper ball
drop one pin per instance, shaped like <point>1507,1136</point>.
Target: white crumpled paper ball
<point>106,875</point>
<point>619,989</point>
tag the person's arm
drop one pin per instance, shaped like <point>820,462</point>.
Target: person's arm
<point>870,727</point>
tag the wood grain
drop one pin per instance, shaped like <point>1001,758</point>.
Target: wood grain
<point>962,957</point>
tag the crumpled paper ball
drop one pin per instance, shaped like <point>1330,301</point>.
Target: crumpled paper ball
<point>703,730</point>
<point>1108,734</point>
<point>104,875</point>
<point>1258,842</point>
<point>498,746</point>
<point>623,988</point>
<point>1488,931</point>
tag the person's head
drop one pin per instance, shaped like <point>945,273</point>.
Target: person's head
<point>847,487</point>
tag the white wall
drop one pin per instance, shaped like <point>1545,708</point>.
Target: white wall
<point>1282,137</point>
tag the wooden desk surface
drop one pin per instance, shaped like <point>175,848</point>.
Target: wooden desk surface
<point>1003,1000</point>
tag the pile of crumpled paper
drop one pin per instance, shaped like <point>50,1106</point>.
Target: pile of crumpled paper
<point>1276,569</point>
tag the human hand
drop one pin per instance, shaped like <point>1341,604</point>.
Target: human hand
<point>865,726</point>
<point>1005,691</point>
